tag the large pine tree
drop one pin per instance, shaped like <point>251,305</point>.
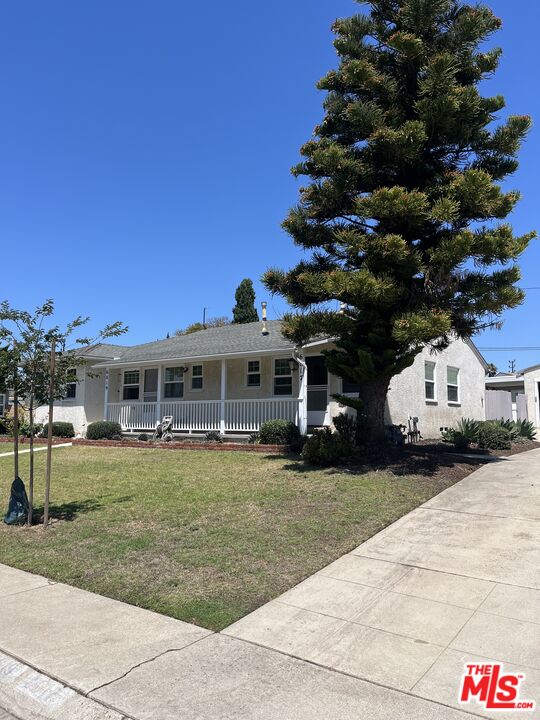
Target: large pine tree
<point>403,210</point>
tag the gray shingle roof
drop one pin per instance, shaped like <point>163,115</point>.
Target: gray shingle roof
<point>103,350</point>
<point>230,339</point>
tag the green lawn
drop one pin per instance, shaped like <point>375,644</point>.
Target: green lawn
<point>205,537</point>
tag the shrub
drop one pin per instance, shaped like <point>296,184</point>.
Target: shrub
<point>326,448</point>
<point>143,437</point>
<point>526,429</point>
<point>59,429</point>
<point>395,434</point>
<point>254,439</point>
<point>463,434</point>
<point>104,430</point>
<point>280,432</point>
<point>512,428</point>
<point>493,436</point>
<point>346,427</point>
<point>214,436</point>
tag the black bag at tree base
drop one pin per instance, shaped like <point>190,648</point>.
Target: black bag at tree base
<point>17,511</point>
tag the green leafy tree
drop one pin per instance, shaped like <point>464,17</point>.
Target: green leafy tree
<point>212,322</point>
<point>25,366</point>
<point>403,211</point>
<point>244,311</point>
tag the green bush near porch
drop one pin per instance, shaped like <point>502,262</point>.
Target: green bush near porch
<point>59,429</point>
<point>279,432</point>
<point>104,430</point>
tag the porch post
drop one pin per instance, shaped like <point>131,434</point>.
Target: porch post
<point>302,397</point>
<point>223,396</point>
<point>106,400</point>
<point>159,393</point>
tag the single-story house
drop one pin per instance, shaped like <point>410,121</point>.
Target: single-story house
<point>233,378</point>
<point>515,395</point>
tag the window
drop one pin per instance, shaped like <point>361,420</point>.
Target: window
<point>430,380</point>
<point>71,386</point>
<point>131,385</point>
<point>452,384</point>
<point>2,405</point>
<point>197,377</point>
<point>254,374</point>
<point>174,382</point>
<point>282,377</point>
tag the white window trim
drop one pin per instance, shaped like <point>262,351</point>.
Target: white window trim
<point>274,376</point>
<point>458,385</point>
<point>247,374</point>
<point>433,400</point>
<point>138,385</point>
<point>173,382</point>
<point>197,390</point>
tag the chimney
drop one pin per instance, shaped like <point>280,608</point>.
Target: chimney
<point>264,327</point>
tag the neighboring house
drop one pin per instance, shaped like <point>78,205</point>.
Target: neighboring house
<point>514,395</point>
<point>233,378</point>
<point>85,394</point>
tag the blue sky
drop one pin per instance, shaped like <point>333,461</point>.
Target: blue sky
<point>146,146</point>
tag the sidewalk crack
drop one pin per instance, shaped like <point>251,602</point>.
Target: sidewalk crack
<point>144,662</point>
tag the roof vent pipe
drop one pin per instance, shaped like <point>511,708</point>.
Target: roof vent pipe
<point>264,326</point>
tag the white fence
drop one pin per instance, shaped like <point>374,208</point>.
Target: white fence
<point>205,415</point>
<point>499,406</point>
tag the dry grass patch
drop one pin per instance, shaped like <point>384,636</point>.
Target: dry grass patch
<point>205,537</point>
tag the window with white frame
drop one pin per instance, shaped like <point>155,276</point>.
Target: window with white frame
<point>452,384</point>
<point>197,377</point>
<point>282,377</point>
<point>173,383</point>
<point>429,374</point>
<point>130,389</point>
<point>254,373</point>
<point>71,385</point>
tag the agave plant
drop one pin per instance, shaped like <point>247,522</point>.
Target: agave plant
<point>526,429</point>
<point>463,434</point>
<point>512,428</point>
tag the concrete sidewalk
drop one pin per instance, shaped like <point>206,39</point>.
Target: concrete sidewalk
<point>381,634</point>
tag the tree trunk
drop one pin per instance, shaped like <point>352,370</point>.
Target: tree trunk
<point>31,470</point>
<point>16,426</point>
<point>371,427</point>
<point>49,439</point>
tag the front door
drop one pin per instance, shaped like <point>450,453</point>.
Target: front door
<point>317,390</point>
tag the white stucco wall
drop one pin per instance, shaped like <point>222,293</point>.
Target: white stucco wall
<point>87,405</point>
<point>406,396</point>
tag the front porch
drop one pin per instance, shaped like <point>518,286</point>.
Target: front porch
<point>201,416</point>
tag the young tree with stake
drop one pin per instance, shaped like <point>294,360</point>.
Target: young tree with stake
<point>41,369</point>
<point>403,212</point>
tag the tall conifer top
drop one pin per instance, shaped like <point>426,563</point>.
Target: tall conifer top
<point>403,211</point>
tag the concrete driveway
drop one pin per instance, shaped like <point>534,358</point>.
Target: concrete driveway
<point>455,581</point>
<point>381,634</point>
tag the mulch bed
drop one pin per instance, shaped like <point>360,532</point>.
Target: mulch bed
<point>447,448</point>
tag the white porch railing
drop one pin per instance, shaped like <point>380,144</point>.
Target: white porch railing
<point>205,415</point>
